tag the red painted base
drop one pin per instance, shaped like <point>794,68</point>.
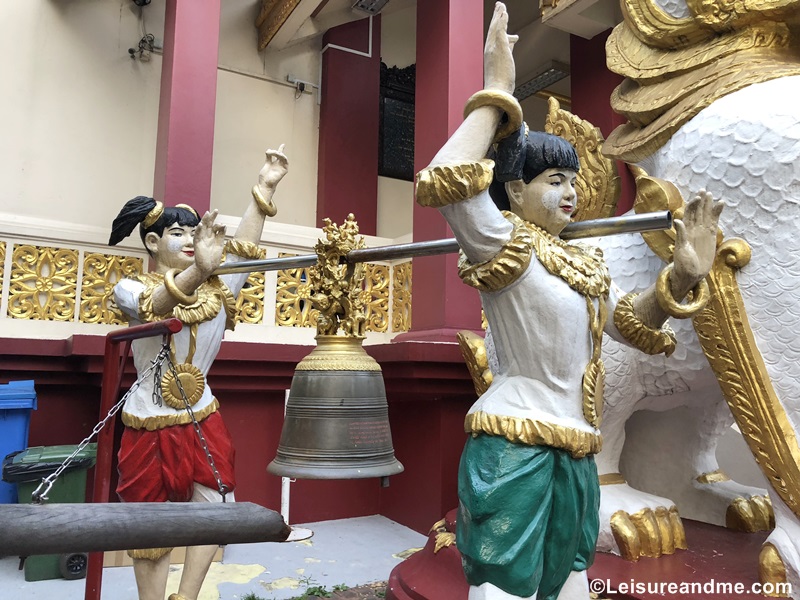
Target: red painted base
<point>716,556</point>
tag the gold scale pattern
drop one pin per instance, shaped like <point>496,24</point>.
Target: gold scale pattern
<point>293,299</point>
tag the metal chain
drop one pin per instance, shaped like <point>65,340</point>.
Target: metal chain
<point>223,489</point>
<point>39,494</point>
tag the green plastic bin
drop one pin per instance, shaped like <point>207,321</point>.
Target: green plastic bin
<point>27,469</point>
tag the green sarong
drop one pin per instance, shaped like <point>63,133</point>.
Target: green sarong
<point>527,515</point>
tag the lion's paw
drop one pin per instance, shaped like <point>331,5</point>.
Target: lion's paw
<point>635,524</point>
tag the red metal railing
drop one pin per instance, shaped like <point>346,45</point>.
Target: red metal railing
<point>113,370</point>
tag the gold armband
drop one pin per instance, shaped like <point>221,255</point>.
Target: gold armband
<point>154,214</point>
<point>505,267</point>
<point>502,100</point>
<point>244,249</point>
<point>267,207</point>
<point>450,184</point>
<point>175,291</point>
<point>672,307</point>
<point>640,335</point>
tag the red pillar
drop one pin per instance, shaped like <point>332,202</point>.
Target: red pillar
<point>449,71</point>
<point>348,125</point>
<point>188,101</point>
<point>591,87</point>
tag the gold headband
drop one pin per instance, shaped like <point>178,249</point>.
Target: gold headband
<point>153,215</point>
<point>189,208</point>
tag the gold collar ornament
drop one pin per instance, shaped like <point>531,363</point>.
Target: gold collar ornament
<point>583,269</point>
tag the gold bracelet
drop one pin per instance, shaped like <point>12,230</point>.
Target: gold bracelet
<point>267,208</point>
<point>673,308</point>
<point>175,291</point>
<point>502,100</point>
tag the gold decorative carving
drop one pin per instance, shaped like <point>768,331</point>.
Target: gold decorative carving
<point>473,349</point>
<point>598,183</point>
<point>444,539</point>
<point>444,185</point>
<point>212,296</point>
<point>506,266</point>
<point>401,297</point>
<point>43,283</point>
<point>250,302</point>
<point>534,433</point>
<point>338,353</point>
<point>100,273</point>
<point>649,533</point>
<point>713,477</point>
<point>611,479</point>
<point>654,194</point>
<point>376,298</point>
<point>338,286</point>
<point>728,343</point>
<point>293,306</point>
<point>271,17</point>
<point>727,340</point>
<point>675,68</point>
<point>502,100</point>
<point>771,569</point>
<point>640,335</point>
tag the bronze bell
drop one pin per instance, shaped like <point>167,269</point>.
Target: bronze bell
<point>337,416</point>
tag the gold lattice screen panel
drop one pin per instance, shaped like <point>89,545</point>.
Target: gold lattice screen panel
<point>401,297</point>
<point>293,305</point>
<point>43,283</point>
<point>100,273</point>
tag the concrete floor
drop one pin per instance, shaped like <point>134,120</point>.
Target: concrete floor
<point>349,551</point>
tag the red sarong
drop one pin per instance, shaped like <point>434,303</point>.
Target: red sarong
<point>164,465</point>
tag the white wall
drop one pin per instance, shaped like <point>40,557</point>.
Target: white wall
<point>79,117</point>
<point>258,109</point>
<point>399,37</point>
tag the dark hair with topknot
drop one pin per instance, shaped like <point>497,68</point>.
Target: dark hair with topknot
<point>136,210</point>
<point>524,155</point>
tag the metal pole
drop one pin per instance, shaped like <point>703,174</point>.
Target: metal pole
<point>654,221</point>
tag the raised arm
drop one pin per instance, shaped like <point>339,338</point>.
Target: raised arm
<point>472,139</point>
<point>262,206</point>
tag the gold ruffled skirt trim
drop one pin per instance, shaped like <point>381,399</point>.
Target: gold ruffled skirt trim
<point>535,433</point>
<point>162,421</point>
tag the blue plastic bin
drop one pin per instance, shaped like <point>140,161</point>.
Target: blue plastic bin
<point>17,400</point>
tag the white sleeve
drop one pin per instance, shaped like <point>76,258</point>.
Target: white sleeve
<point>234,281</point>
<point>126,295</point>
<point>480,228</point>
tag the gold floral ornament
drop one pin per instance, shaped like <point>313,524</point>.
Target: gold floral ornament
<point>337,285</point>
<point>2,263</point>
<point>401,297</point>
<point>598,184</point>
<point>293,306</point>
<point>376,298</point>
<point>101,272</point>
<point>43,283</point>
